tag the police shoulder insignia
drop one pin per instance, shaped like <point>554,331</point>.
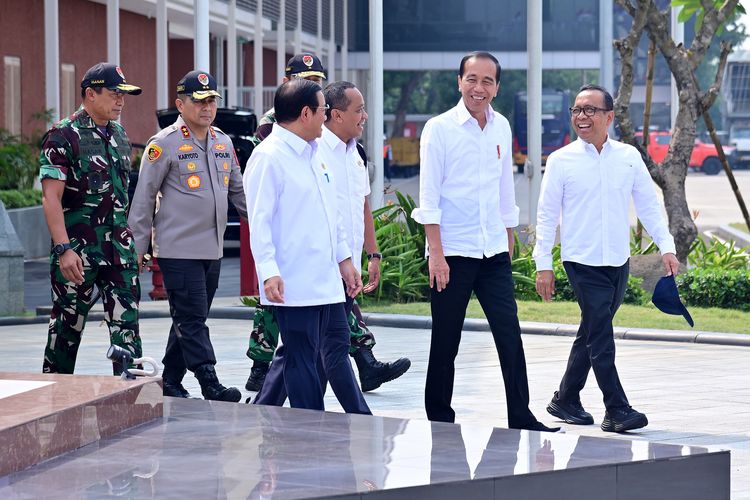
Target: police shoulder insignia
<point>153,152</point>
<point>185,131</point>
<point>213,132</point>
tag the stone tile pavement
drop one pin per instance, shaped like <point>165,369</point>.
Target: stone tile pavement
<point>692,394</point>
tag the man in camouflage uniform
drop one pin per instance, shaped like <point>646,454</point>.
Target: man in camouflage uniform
<point>264,336</point>
<point>84,167</point>
<point>192,165</point>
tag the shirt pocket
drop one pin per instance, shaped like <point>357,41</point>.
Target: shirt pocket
<point>96,177</point>
<point>192,182</point>
<point>622,176</point>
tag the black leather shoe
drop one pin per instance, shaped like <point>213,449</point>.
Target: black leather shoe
<point>257,376</point>
<point>538,426</point>
<point>623,419</point>
<point>570,412</point>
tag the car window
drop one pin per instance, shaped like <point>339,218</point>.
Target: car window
<point>663,139</point>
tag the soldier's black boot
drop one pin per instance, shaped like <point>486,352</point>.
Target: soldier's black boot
<point>172,381</point>
<point>212,389</point>
<point>257,376</point>
<point>373,373</point>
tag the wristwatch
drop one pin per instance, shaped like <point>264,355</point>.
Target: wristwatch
<point>374,255</point>
<point>61,248</point>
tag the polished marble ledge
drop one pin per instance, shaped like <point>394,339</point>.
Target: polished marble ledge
<point>45,415</point>
<point>202,449</point>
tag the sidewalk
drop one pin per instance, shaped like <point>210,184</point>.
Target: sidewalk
<point>693,394</point>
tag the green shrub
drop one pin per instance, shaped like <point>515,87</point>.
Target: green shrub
<point>727,288</point>
<point>18,166</point>
<point>716,254</point>
<point>21,198</point>
<point>403,275</point>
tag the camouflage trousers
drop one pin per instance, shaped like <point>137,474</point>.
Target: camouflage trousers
<point>264,338</point>
<point>120,292</point>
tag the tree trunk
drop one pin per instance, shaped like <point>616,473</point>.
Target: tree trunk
<point>403,102</point>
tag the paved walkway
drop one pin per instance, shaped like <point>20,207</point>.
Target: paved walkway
<point>692,394</point>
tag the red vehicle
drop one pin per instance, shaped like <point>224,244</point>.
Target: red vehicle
<point>704,156</point>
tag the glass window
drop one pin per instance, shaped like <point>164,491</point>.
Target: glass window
<point>13,94</point>
<point>67,89</point>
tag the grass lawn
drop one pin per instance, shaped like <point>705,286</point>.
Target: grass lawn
<point>706,319</point>
<point>739,225</point>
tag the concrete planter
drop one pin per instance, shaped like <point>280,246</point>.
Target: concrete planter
<point>31,228</point>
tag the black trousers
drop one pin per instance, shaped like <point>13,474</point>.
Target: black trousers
<point>491,280</point>
<point>600,291</point>
<point>190,285</point>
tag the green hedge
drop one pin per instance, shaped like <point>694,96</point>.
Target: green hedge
<point>728,289</point>
<point>18,167</point>
<point>21,198</point>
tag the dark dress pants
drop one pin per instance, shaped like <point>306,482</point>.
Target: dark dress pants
<point>313,335</point>
<point>600,291</point>
<point>273,392</point>
<point>491,280</point>
<point>190,285</point>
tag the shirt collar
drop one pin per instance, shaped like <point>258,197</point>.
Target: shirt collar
<point>84,119</point>
<point>333,141</point>
<point>587,146</point>
<point>297,143</point>
<point>463,115</point>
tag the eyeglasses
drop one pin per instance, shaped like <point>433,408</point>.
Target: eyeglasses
<point>587,110</point>
<point>316,108</point>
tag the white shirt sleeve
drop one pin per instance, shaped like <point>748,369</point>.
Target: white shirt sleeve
<point>649,210</point>
<point>508,209</point>
<point>548,215</point>
<point>432,162</point>
<point>261,191</point>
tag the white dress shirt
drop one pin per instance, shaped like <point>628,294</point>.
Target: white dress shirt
<point>592,191</point>
<point>466,182</point>
<point>294,227</point>
<point>352,185</point>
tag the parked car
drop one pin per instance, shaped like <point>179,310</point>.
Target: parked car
<point>703,158</point>
<point>237,123</point>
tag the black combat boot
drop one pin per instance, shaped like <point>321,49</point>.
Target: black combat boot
<point>373,373</point>
<point>172,381</point>
<point>212,389</point>
<point>257,376</point>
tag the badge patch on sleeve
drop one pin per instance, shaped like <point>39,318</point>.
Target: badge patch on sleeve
<point>194,182</point>
<point>153,153</point>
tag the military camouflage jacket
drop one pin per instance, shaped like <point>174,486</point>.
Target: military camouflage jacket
<point>265,125</point>
<point>95,201</point>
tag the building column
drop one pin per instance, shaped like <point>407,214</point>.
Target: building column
<point>162,55</point>
<point>678,35</point>
<point>345,43</point>
<point>113,31</point>
<point>606,50</point>
<point>52,59</point>
<point>258,60</point>
<point>219,61</point>
<point>533,104</point>
<point>375,102</point>
<point>332,41</point>
<point>232,100</point>
<point>281,43</point>
<point>201,44</point>
<point>319,33</point>
<point>298,29</point>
